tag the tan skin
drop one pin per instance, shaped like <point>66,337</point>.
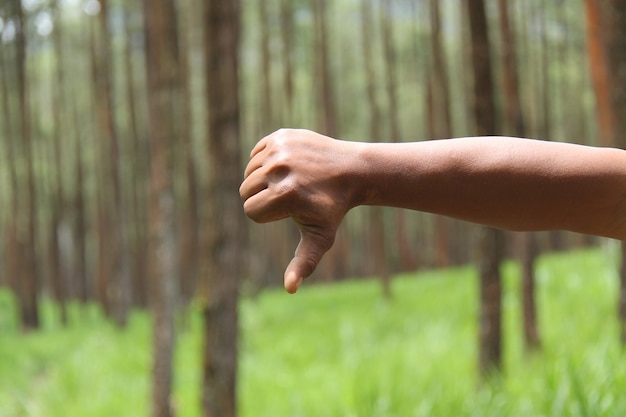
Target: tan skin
<point>509,183</point>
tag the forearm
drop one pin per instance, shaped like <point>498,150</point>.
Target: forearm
<point>517,184</point>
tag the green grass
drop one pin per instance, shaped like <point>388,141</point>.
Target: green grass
<point>341,350</point>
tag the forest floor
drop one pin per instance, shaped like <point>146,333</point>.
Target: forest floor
<point>342,350</point>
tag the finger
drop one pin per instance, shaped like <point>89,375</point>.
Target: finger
<point>255,163</point>
<point>263,207</point>
<point>309,252</point>
<point>253,184</point>
<point>259,147</point>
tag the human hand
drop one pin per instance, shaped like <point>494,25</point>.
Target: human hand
<point>305,176</point>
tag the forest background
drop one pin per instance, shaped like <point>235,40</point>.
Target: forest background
<point>125,126</point>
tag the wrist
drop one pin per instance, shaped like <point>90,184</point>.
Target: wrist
<point>363,174</point>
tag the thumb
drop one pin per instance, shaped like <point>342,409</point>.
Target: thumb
<point>313,245</point>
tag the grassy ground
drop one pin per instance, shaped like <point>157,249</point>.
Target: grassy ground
<point>343,351</point>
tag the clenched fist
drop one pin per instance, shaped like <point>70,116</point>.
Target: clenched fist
<point>305,176</point>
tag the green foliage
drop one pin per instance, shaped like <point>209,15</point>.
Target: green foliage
<point>342,350</point>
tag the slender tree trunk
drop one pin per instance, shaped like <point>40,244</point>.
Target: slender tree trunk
<point>13,254</point>
<point>441,120</point>
<point>492,240</point>
<point>136,235</point>
<point>615,50</point>
<point>189,253</point>
<point>80,226</point>
<point>164,113</point>
<point>287,32</point>
<point>225,220</point>
<point>102,219</point>
<point>395,132</point>
<point>267,109</point>
<point>118,288</point>
<point>599,71</point>
<point>516,126</point>
<point>376,219</point>
<point>59,283</point>
<point>28,293</point>
<point>326,102</point>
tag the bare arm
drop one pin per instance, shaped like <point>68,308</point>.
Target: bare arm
<point>510,183</point>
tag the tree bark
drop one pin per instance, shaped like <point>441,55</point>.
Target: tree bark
<point>615,50</point>
<point>599,71</point>
<point>59,283</point>
<point>515,124</point>
<point>164,113</point>
<point>13,254</point>
<point>29,287</point>
<point>492,240</point>
<point>326,102</point>
<point>225,220</point>
<point>376,225</point>
<point>117,284</point>
<point>267,109</point>
<point>189,235</point>
<point>287,32</point>
<point>441,121</point>
<point>137,207</point>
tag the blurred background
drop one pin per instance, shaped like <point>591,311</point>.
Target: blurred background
<point>125,127</point>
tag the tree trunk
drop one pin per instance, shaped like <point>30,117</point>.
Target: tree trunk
<point>137,208</point>
<point>28,293</point>
<point>59,283</point>
<point>287,32</point>
<point>189,237</point>
<point>441,121</point>
<point>376,225</point>
<point>615,50</point>
<point>267,109</point>
<point>164,114</point>
<point>80,226</point>
<point>117,284</point>
<point>395,132</point>
<point>326,103</point>
<point>529,304</point>
<point>225,220</point>
<point>492,240</point>
<point>13,254</point>
<point>599,71</point>
<point>516,126</point>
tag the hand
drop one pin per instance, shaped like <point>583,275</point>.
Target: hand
<point>305,176</point>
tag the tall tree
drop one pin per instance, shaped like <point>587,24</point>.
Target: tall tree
<point>59,283</point>
<point>287,35</point>
<point>267,109</point>
<point>395,131</point>
<point>376,220</point>
<point>137,207</point>
<point>114,215</point>
<point>28,282</point>
<point>515,124</point>
<point>164,112</point>
<point>492,240</point>
<point>440,119</point>
<point>323,82</point>
<point>13,254</point>
<point>614,15</point>
<point>599,70</point>
<point>225,223</point>
<point>189,234</point>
